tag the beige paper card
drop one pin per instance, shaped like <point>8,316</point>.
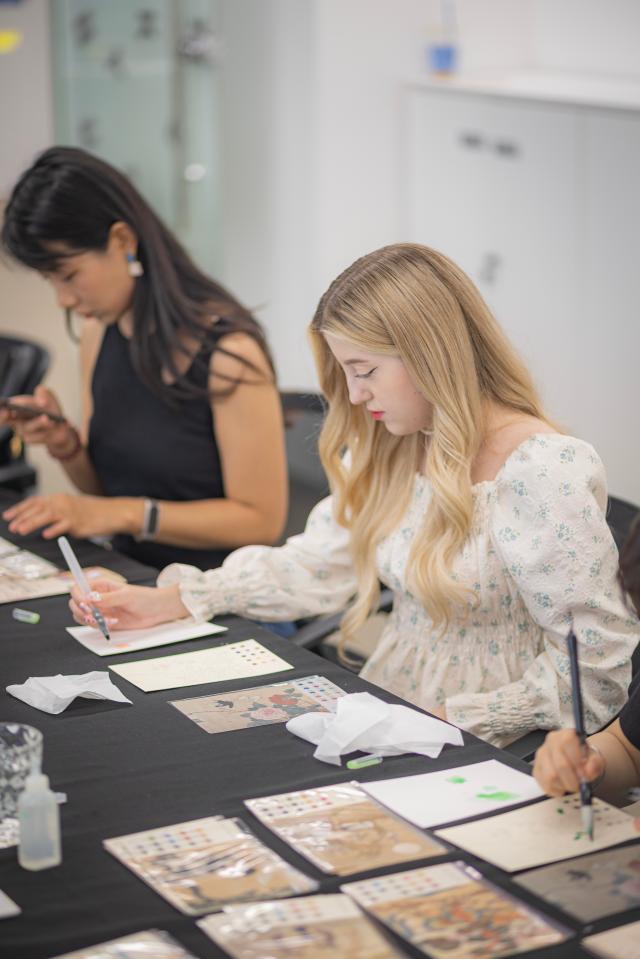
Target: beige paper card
<point>620,943</point>
<point>341,830</point>
<point>215,665</point>
<point>540,833</point>
<point>316,927</point>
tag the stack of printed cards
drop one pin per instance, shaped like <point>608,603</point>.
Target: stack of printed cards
<point>542,832</point>
<point>260,706</point>
<point>592,887</point>
<point>451,912</point>
<point>152,944</point>
<point>316,927</point>
<point>202,865</point>
<point>341,830</point>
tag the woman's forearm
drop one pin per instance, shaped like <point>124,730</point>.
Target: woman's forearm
<point>622,763</point>
<point>217,523</point>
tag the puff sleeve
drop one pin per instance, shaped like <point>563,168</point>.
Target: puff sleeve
<point>549,529</point>
<point>311,574</point>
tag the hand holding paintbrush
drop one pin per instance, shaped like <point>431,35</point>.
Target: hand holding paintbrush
<point>586,806</point>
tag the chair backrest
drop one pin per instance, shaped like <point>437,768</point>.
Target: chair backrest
<point>23,364</point>
<point>620,516</point>
<point>303,416</point>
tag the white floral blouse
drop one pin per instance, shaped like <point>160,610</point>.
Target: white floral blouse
<point>539,557</point>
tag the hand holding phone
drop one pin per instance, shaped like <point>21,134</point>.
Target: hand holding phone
<point>27,411</point>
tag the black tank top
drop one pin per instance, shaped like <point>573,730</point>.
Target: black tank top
<point>140,446</point>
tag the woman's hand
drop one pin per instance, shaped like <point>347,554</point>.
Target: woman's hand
<point>127,607</point>
<point>60,513</point>
<point>562,762</point>
<point>56,437</point>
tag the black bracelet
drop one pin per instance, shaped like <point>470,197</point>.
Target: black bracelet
<point>150,520</point>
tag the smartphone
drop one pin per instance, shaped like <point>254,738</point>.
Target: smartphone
<point>30,412</point>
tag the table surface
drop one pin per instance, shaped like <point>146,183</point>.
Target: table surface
<point>129,768</point>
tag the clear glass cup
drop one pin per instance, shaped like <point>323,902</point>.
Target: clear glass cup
<point>20,752</point>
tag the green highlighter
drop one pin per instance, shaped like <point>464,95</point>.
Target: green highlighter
<point>363,762</point>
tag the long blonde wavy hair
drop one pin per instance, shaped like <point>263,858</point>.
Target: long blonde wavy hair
<point>410,301</point>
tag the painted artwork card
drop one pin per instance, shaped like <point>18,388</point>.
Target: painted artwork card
<point>315,927</point>
<point>216,665</point>
<point>451,912</point>
<point>341,830</point>
<point>543,832</point>
<point>260,706</point>
<point>202,865</point>
<point>150,944</point>
<point>592,887</point>
<point>131,640</point>
<point>619,943</point>
<point>451,794</point>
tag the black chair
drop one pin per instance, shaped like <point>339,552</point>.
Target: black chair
<point>303,416</point>
<point>23,365</point>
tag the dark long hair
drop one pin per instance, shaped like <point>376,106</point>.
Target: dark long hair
<point>72,198</point>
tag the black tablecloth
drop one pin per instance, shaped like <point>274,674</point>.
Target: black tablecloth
<point>130,768</point>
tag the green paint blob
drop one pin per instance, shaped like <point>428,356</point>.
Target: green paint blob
<point>560,812</point>
<point>578,835</point>
<point>457,779</point>
<point>499,794</point>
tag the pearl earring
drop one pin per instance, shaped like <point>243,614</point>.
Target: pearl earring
<point>134,265</point>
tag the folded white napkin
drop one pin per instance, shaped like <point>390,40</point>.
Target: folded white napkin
<point>364,722</point>
<point>52,694</point>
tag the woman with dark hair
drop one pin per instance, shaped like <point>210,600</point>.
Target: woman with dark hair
<point>180,454</point>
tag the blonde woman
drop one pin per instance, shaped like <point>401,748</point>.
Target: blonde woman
<point>451,486</point>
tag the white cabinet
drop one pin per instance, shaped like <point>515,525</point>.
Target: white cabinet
<point>534,201</point>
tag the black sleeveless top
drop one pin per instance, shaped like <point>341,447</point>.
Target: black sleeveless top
<point>139,446</point>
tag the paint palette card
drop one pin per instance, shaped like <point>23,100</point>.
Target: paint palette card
<point>215,665</point>
<point>316,927</point>
<point>150,944</point>
<point>451,912</point>
<point>260,706</point>
<point>202,865</point>
<point>131,640</point>
<point>341,830</point>
<point>591,887</point>
<point>450,794</point>
<point>540,833</point>
<point>620,943</point>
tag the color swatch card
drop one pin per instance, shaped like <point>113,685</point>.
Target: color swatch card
<point>150,944</point>
<point>620,943</point>
<point>260,706</point>
<point>215,665</point>
<point>451,912</point>
<point>591,887</point>
<point>451,794</point>
<point>540,833</point>
<point>131,640</point>
<point>202,865</point>
<point>316,927</point>
<point>341,830</point>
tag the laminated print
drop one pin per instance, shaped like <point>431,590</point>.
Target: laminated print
<point>315,927</point>
<point>202,865</point>
<point>260,706</point>
<point>451,912</point>
<point>342,830</point>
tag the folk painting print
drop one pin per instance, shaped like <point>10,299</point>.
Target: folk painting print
<point>260,706</point>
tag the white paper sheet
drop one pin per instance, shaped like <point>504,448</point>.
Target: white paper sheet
<point>233,661</point>
<point>451,794</point>
<point>364,722</point>
<point>52,694</point>
<point>543,832</point>
<point>131,640</point>
<point>7,906</point>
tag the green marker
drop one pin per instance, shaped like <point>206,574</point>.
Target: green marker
<point>25,616</point>
<point>364,761</point>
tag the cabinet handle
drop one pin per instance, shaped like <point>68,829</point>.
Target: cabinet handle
<point>506,148</point>
<point>471,141</point>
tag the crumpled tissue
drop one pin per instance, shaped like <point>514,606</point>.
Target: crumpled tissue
<point>52,694</point>
<point>364,722</point>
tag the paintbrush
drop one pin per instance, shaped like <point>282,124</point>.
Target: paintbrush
<point>586,805</point>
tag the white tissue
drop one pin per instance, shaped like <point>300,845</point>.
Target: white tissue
<point>52,694</point>
<point>364,722</point>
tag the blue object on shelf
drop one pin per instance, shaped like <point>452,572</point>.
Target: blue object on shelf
<point>442,57</point>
